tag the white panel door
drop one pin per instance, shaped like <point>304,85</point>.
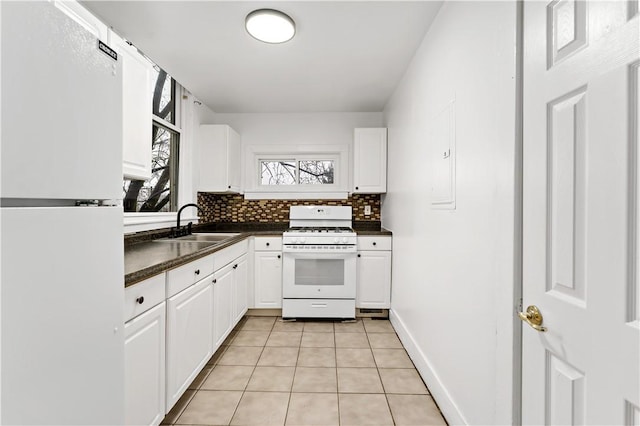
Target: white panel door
<point>61,108</point>
<point>62,299</point>
<point>144,367</point>
<point>222,304</point>
<point>241,275</point>
<point>373,280</point>
<point>268,279</point>
<point>189,337</point>
<point>580,212</point>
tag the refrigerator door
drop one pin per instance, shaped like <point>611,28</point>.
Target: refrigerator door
<point>62,348</point>
<point>61,108</point>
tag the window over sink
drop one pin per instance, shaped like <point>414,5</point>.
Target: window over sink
<point>158,193</point>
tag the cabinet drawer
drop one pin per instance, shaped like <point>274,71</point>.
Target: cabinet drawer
<point>374,243</point>
<point>318,308</point>
<point>228,255</point>
<point>143,296</point>
<point>268,243</point>
<point>183,276</point>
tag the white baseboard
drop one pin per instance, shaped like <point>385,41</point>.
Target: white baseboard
<point>437,389</point>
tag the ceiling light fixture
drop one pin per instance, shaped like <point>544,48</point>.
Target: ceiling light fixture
<point>270,26</point>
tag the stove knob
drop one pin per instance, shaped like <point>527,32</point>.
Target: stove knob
<point>336,240</point>
<point>296,240</point>
<point>302,240</point>
<point>344,240</point>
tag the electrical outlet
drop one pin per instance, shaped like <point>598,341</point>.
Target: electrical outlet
<point>367,210</point>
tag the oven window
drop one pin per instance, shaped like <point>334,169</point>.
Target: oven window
<point>319,272</point>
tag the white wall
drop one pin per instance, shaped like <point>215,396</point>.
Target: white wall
<point>332,128</point>
<point>452,298</point>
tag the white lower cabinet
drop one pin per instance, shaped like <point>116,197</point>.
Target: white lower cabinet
<point>144,368</point>
<point>189,336</point>
<point>373,282</point>
<point>268,279</point>
<point>222,304</point>
<point>241,278</point>
<point>169,340</point>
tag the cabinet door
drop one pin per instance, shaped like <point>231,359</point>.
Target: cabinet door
<point>220,160</point>
<point>233,161</point>
<point>136,110</point>
<point>268,279</point>
<point>240,302</point>
<point>370,161</point>
<point>144,367</point>
<point>222,304</point>
<point>189,337</point>
<point>373,280</point>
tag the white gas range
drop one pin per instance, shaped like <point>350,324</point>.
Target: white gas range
<point>319,266</point>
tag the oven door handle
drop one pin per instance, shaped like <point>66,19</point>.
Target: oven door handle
<point>312,256</point>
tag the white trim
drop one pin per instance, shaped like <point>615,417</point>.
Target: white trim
<point>136,222</point>
<point>437,389</point>
<point>292,195</point>
<point>165,123</point>
<point>338,153</point>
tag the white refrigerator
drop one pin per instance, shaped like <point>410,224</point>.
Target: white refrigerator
<point>61,288</point>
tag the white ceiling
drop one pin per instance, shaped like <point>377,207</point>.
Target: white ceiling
<point>346,56</point>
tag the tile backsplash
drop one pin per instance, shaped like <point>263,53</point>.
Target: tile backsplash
<point>233,208</point>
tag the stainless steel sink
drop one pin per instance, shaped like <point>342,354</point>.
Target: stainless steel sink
<point>201,238</point>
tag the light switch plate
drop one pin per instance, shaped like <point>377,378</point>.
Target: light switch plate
<point>367,210</point>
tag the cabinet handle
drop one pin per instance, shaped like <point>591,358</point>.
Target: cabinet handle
<point>235,266</point>
<point>374,243</point>
<point>140,300</point>
<point>214,281</point>
<point>229,187</point>
<point>279,256</point>
<point>357,188</point>
<point>197,271</point>
<point>359,255</point>
<point>267,244</point>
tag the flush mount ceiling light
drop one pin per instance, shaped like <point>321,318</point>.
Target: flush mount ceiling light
<point>270,26</point>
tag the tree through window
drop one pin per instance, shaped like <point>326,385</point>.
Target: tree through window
<point>292,172</point>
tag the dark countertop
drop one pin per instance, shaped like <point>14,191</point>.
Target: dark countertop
<point>367,232</point>
<point>144,258</point>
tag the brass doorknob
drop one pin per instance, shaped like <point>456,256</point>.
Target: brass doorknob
<point>533,317</point>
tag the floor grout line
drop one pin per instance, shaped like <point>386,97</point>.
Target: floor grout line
<point>296,367</point>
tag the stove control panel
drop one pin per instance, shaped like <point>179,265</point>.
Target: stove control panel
<point>320,248</point>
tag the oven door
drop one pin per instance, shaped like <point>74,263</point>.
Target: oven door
<point>319,275</point>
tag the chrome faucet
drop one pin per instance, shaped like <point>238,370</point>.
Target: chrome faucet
<point>180,231</point>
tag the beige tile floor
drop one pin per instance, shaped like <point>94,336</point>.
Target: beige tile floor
<point>271,372</point>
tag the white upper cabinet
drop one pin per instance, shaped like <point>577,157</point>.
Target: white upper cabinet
<point>219,159</point>
<point>370,161</point>
<point>136,110</point>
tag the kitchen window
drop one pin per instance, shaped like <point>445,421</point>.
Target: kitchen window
<point>159,193</point>
<point>297,172</point>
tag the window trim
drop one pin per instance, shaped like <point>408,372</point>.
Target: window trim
<point>297,159</point>
<point>145,221</point>
<point>253,178</point>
